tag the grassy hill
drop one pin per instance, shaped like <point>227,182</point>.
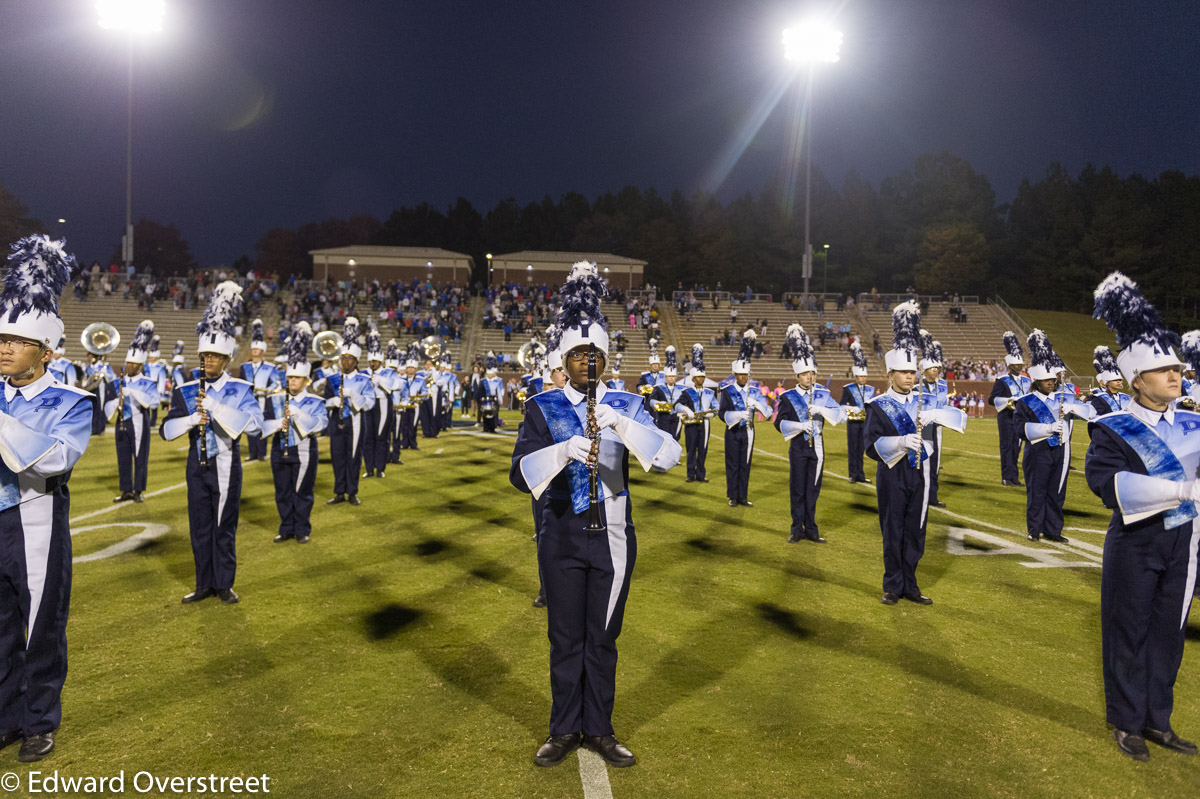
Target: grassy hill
<point>398,653</point>
<point>1074,337</point>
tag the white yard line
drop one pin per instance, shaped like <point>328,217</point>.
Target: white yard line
<point>117,505</point>
<point>594,775</point>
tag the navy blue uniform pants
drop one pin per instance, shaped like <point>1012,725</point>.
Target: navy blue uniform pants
<point>695,436</point>
<point>32,674</point>
<point>856,444</point>
<point>428,419</point>
<point>737,463</point>
<point>211,521</point>
<point>804,487</point>
<point>132,461</point>
<point>586,580</point>
<point>408,430</point>
<point>901,494</point>
<point>1144,599</point>
<point>1043,497</point>
<point>295,476</point>
<point>345,456</point>
<point>256,447</point>
<point>1010,446</point>
<point>371,437</point>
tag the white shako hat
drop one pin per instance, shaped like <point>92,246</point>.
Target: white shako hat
<point>553,355</point>
<point>616,367</point>
<point>350,345</point>
<point>697,369</point>
<point>745,352</point>
<point>392,356</point>
<point>140,344</point>
<point>61,349</point>
<point>257,339</point>
<point>154,344</point>
<point>1146,343</point>
<point>38,271</point>
<point>653,359</point>
<point>216,328</point>
<point>489,363</point>
<point>1012,345</point>
<point>412,355</point>
<point>374,345</point>
<point>1105,365</point>
<point>296,350</point>
<point>860,360</point>
<point>800,347</point>
<point>1189,350</point>
<point>579,315</point>
<point>931,352</point>
<point>177,357</point>
<point>671,369</point>
<point>906,338</point>
<point>1044,362</point>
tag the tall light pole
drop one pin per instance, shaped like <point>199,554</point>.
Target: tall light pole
<point>134,17</point>
<point>810,43</point>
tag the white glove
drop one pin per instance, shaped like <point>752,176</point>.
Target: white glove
<point>927,417</point>
<point>1058,428</point>
<point>208,403</point>
<point>913,441</point>
<point>686,411</point>
<point>805,427</point>
<point>579,448</point>
<point>195,419</point>
<point>333,402</point>
<point>1193,491</point>
<point>737,417</point>
<point>606,416</point>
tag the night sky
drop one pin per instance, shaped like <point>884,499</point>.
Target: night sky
<point>253,114</point>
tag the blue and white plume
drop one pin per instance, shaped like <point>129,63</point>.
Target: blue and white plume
<point>906,338</point>
<point>350,345</point>
<point>392,354</point>
<point>1189,350</point>
<point>579,313</point>
<point>1044,362</point>
<point>217,327</point>
<point>374,344</point>
<point>745,352</point>
<point>1105,365</point>
<point>177,356</point>
<point>1012,346</point>
<point>38,271</point>
<point>553,353</point>
<point>296,349</point>
<point>697,369</point>
<point>653,346</point>
<point>800,346</point>
<point>257,338</point>
<point>154,344</point>
<point>139,347</point>
<point>860,359</point>
<point>1146,343</point>
<point>671,367</point>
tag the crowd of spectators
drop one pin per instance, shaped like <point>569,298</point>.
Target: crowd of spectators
<point>399,309</point>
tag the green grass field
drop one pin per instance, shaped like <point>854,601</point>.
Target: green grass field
<point>398,653</point>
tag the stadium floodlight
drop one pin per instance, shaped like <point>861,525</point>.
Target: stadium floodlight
<point>812,41</point>
<point>135,16</point>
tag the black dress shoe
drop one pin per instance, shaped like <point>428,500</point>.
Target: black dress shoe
<point>279,539</point>
<point>10,738</point>
<point>555,749</point>
<point>816,539</point>
<point>1034,537</point>
<point>228,596</point>
<point>337,499</point>
<point>733,503</point>
<point>36,747</point>
<point>137,496</point>
<point>889,598</point>
<point>198,594</point>
<point>608,747</point>
<point>367,475</point>
<point>1132,745</point>
<point>794,538</point>
<point>540,601</point>
<point>746,502</point>
<point>354,500</point>
<point>301,539</point>
<point>1058,539</point>
<point>702,479</point>
<point>1170,740</point>
<point>938,504</point>
<point>125,497</point>
<point>382,474</point>
<point>690,480</point>
<point>919,599</point>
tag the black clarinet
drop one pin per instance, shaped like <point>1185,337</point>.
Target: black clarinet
<point>594,524</point>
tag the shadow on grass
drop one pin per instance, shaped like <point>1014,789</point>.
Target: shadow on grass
<point>431,547</point>
<point>389,620</point>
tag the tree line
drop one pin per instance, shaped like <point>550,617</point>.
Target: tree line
<point>935,227</point>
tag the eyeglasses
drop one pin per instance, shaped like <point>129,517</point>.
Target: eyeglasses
<point>577,356</point>
<point>16,344</point>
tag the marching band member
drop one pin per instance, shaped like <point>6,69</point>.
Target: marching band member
<point>64,370</point>
<point>1189,353</point>
<point>409,388</point>
<point>739,401</point>
<point>615,382</point>
<point>697,404</point>
<point>156,370</point>
<point>586,572</point>
<point>179,370</point>
<point>1142,463</point>
<point>895,421</point>
<point>803,411</point>
<point>934,394</point>
<point>448,391</point>
<point>1107,397</point>
<point>667,393</point>
<point>654,377</point>
<point>134,394</point>
<point>293,420</point>
<point>375,420</point>
<point>262,375</point>
<point>490,396</point>
<point>44,429</point>
<point>855,397</point>
<point>349,394</point>
<point>391,366</point>
<point>1043,422</point>
<point>99,373</point>
<point>1005,392</point>
<point>214,411</point>
<point>427,408</point>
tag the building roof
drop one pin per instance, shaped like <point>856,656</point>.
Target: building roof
<point>567,258</point>
<point>369,251</point>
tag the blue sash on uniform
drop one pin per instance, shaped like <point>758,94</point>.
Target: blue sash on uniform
<point>191,399</point>
<point>856,393</point>
<point>696,400</point>
<point>1043,414</point>
<point>564,423</point>
<point>1156,456</point>
<point>1113,404</point>
<point>336,382</point>
<point>10,488</point>
<point>1014,388</point>
<point>903,423</point>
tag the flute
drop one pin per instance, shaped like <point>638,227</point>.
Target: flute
<point>920,408</point>
<point>593,432</point>
<point>204,427</point>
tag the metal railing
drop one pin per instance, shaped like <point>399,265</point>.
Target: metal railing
<point>885,302</point>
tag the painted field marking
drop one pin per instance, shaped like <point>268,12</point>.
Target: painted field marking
<point>113,507</point>
<point>148,532</point>
<point>594,775</point>
<point>1037,558</point>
